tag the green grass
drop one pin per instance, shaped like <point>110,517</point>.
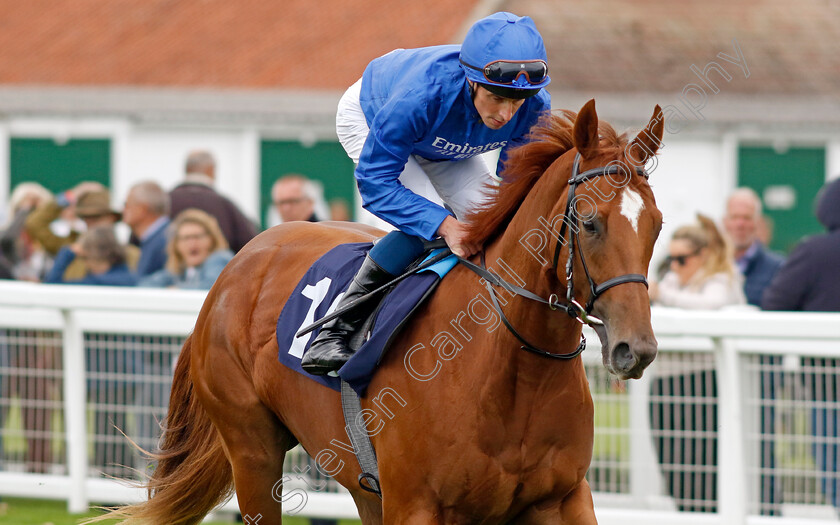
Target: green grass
<point>611,414</point>
<point>17,511</point>
<point>14,511</point>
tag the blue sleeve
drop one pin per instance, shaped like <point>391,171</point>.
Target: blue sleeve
<point>117,276</point>
<point>209,271</point>
<point>398,124</point>
<point>158,279</point>
<point>541,106</point>
<point>62,261</point>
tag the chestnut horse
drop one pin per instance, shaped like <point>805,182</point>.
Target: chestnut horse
<point>467,427</point>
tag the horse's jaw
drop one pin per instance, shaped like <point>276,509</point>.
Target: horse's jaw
<point>626,357</point>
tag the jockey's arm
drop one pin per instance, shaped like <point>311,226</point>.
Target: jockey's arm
<point>387,149</point>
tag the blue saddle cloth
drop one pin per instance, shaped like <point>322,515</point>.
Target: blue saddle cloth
<point>318,293</point>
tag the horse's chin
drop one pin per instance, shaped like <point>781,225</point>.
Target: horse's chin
<point>601,330</point>
<point>622,361</point>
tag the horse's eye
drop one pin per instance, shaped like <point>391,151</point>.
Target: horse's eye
<point>590,227</point>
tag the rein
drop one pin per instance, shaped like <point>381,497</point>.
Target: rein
<point>582,314</point>
<point>492,280</point>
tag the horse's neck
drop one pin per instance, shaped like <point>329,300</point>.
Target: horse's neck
<point>547,329</point>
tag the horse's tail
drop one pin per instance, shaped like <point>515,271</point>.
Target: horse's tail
<point>192,475</point>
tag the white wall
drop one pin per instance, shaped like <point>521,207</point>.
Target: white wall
<point>142,153</point>
<point>832,163</point>
<point>5,191</point>
<point>691,176</point>
<point>159,155</point>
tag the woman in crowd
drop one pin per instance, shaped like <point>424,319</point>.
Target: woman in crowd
<point>104,259</point>
<point>104,265</point>
<point>701,270</point>
<point>20,256</point>
<point>197,252</point>
<point>34,354</point>
<point>683,410</point>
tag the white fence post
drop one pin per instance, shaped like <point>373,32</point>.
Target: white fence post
<point>645,479</point>
<point>75,417</point>
<point>732,476</point>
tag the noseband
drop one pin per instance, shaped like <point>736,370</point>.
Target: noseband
<point>573,308</point>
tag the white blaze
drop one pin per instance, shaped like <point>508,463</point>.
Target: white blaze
<point>631,206</point>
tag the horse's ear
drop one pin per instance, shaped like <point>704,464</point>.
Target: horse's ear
<point>646,143</point>
<point>586,130</point>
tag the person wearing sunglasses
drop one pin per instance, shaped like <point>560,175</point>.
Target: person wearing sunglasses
<point>701,271</point>
<point>416,124</point>
<point>701,274</point>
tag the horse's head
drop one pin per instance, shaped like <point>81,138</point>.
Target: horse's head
<point>612,222</point>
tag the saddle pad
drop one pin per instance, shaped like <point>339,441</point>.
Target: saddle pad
<point>318,294</point>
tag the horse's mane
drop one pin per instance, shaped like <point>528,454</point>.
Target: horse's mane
<point>549,139</point>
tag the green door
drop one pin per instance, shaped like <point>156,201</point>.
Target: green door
<point>59,167</point>
<point>326,162</point>
<point>787,183</point>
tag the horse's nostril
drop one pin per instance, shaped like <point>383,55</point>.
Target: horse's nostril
<point>623,358</point>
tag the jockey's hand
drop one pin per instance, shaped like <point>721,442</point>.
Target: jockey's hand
<point>454,232</point>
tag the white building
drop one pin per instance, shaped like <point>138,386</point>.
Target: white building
<point>750,91</point>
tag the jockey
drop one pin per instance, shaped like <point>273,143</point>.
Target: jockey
<point>414,124</point>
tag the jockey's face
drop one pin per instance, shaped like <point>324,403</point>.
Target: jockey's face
<point>495,111</point>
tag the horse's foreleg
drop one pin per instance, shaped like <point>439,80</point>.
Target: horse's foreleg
<point>370,510</point>
<point>575,509</point>
<point>423,512</point>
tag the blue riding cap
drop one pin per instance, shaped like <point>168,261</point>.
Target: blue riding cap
<point>503,36</point>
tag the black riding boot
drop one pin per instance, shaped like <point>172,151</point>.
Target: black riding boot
<point>329,350</point>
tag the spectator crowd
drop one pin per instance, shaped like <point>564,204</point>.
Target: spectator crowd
<point>183,238</point>
<point>710,269</point>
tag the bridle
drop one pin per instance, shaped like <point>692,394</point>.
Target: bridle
<point>583,314</point>
<point>596,290</point>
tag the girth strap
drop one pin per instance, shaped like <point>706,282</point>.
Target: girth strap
<point>360,440</point>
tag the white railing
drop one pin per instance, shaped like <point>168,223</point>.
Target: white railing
<point>735,407</point>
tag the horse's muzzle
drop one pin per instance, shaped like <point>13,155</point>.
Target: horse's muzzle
<point>627,357</point>
<point>629,362</point>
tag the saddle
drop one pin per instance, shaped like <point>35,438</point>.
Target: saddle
<point>317,293</point>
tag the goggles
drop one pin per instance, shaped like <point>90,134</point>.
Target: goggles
<point>508,71</point>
